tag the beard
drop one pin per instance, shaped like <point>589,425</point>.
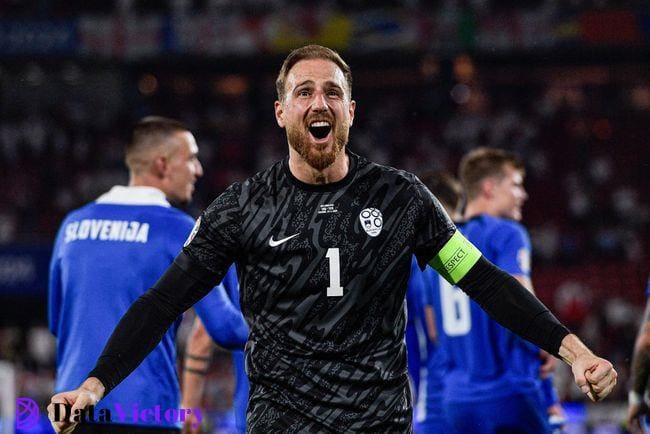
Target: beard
<point>320,159</point>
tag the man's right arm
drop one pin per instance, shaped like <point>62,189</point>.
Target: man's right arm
<point>139,331</point>
<point>144,324</point>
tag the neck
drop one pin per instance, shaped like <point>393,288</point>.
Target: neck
<point>476,207</point>
<point>309,175</point>
<point>145,181</point>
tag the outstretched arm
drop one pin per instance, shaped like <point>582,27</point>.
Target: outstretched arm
<point>138,332</point>
<point>514,307</point>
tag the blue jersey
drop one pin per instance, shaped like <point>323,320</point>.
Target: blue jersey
<point>106,255</point>
<point>417,341</point>
<point>485,359</point>
<point>430,363</point>
<point>226,320</point>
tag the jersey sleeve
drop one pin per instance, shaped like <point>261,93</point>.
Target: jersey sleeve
<point>222,319</point>
<point>434,227</point>
<point>215,240</point>
<point>513,245</point>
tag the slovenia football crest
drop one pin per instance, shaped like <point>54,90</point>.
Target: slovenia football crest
<point>371,221</point>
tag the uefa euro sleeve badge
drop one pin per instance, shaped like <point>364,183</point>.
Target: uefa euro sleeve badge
<point>195,229</point>
<point>371,221</point>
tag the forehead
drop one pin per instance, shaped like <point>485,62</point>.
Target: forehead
<point>318,71</point>
<point>185,143</point>
<point>512,174</point>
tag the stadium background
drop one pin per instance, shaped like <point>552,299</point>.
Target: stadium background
<point>564,84</point>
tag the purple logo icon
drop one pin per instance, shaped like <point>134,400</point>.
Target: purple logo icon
<point>27,413</point>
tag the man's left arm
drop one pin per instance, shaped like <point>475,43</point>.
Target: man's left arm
<point>515,257</point>
<point>514,307</point>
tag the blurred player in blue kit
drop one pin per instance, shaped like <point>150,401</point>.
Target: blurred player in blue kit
<point>426,359</point>
<point>495,382</point>
<point>110,252</point>
<point>638,409</point>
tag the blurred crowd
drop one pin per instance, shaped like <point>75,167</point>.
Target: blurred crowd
<point>68,8</point>
<point>582,131</point>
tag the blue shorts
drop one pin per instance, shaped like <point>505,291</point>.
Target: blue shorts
<point>514,414</point>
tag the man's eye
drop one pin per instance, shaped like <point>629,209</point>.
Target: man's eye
<point>303,93</point>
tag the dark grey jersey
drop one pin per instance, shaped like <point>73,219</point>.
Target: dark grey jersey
<point>323,272</point>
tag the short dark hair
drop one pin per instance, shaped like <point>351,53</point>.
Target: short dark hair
<point>311,52</point>
<point>445,187</point>
<point>482,163</point>
<point>149,133</point>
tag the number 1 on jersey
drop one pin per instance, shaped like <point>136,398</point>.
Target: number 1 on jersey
<point>334,289</point>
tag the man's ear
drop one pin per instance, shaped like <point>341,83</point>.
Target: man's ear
<point>160,166</point>
<point>353,105</point>
<point>487,187</point>
<point>279,114</point>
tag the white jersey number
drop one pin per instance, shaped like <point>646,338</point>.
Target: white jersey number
<point>334,289</point>
<point>456,315</point>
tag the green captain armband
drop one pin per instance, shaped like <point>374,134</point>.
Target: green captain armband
<point>455,258</point>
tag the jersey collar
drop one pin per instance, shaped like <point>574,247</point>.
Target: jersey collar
<point>121,195</point>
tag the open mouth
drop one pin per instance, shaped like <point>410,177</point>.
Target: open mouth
<point>320,129</point>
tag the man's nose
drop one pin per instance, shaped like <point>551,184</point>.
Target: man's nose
<point>319,103</point>
<point>198,169</point>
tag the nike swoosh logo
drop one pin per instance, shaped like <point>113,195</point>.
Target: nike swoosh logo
<point>274,243</point>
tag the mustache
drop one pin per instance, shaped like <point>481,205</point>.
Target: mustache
<point>319,118</point>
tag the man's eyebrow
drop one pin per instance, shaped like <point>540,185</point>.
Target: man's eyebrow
<point>333,84</point>
<point>328,83</point>
<point>302,83</point>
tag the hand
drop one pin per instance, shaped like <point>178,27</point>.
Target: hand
<point>89,393</point>
<point>192,425</point>
<point>595,376</point>
<point>635,412</point>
